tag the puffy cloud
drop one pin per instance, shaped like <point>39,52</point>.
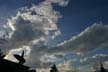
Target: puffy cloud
<point>57,33</point>
<point>1,33</point>
<point>60,2</point>
<point>41,56</point>
<point>34,26</point>
<point>48,58</point>
<point>106,64</point>
<point>92,38</point>
<point>94,59</point>
<point>31,29</point>
<point>18,51</point>
<point>91,59</point>
<point>27,27</point>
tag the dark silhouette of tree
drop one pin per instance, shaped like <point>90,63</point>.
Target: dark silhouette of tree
<point>102,69</point>
<point>54,68</point>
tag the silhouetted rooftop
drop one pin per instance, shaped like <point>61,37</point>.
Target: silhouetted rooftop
<point>8,66</point>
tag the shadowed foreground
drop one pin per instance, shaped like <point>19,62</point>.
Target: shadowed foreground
<point>9,66</point>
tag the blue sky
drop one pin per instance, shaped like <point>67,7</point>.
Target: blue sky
<point>78,16</point>
<point>81,14</point>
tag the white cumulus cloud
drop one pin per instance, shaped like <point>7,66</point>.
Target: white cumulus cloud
<point>32,27</point>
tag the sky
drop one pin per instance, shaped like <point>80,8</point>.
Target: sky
<point>51,31</point>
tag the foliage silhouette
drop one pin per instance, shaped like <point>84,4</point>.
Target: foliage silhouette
<point>102,69</point>
<point>54,68</point>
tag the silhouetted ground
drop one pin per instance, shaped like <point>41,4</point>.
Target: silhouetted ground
<point>8,66</point>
